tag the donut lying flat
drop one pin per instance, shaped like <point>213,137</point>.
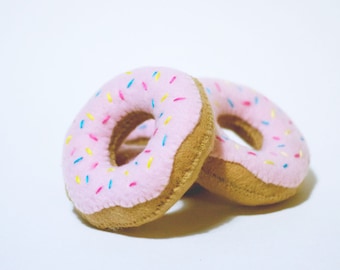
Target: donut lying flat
<point>270,171</point>
<point>112,196</point>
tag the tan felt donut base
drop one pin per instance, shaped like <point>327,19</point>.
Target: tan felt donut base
<point>187,165</point>
<point>236,183</point>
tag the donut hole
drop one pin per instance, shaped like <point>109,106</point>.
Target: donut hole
<point>120,150</point>
<point>240,131</point>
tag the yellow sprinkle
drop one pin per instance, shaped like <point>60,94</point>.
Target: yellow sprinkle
<point>284,154</point>
<point>109,98</point>
<point>90,116</point>
<point>149,162</point>
<point>68,139</point>
<point>300,152</point>
<point>167,120</point>
<point>126,173</point>
<point>78,179</point>
<point>111,169</point>
<point>157,76</point>
<point>269,162</point>
<point>288,131</point>
<point>273,114</point>
<point>237,146</point>
<point>164,97</point>
<point>128,72</point>
<point>88,151</point>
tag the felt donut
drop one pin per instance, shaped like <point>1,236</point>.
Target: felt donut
<point>271,169</point>
<point>110,196</point>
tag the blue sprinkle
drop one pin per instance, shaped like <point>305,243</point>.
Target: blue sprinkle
<point>208,90</point>
<point>87,179</point>
<point>302,138</point>
<point>161,114</point>
<point>265,123</point>
<point>285,165</point>
<point>77,160</point>
<point>153,103</point>
<point>143,126</point>
<point>230,103</point>
<point>110,183</point>
<point>225,137</point>
<point>98,93</point>
<point>154,74</point>
<point>256,100</point>
<point>164,140</point>
<point>130,83</point>
<point>136,162</point>
<point>82,123</point>
<point>281,145</point>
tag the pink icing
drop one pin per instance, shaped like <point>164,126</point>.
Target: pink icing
<point>91,181</point>
<point>284,157</point>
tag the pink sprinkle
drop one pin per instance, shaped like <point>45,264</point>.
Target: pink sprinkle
<point>276,138</point>
<point>99,189</point>
<point>106,119</point>
<point>94,165</point>
<point>145,86</point>
<point>172,79</point>
<point>218,87</point>
<point>252,153</point>
<point>297,155</point>
<point>121,95</point>
<point>220,139</point>
<point>246,103</point>
<point>132,184</point>
<point>72,152</point>
<point>93,137</point>
<point>290,122</point>
<point>147,151</point>
<point>179,98</point>
<point>154,133</point>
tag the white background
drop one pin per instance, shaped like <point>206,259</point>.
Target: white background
<point>55,54</point>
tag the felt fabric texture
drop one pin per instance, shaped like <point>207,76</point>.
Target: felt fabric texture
<point>112,196</point>
<point>272,169</point>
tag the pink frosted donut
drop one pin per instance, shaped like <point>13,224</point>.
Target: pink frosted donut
<point>269,172</point>
<point>112,196</point>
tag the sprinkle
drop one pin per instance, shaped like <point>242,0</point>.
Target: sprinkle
<point>273,114</point>
<point>172,79</point>
<point>276,138</point>
<point>110,184</point>
<point>145,87</point>
<point>287,132</point>
<point>93,137</point>
<point>265,123</point>
<point>128,72</point>
<point>99,189</point>
<point>72,152</point>
<point>147,151</point>
<point>298,155</point>
<point>77,179</point>
<point>94,165</point>
<point>167,120</point>
<point>281,145</point>
<point>164,97</point>
<point>121,96</point>
<point>179,98</point>
<point>152,103</point>
<point>149,162</point>
<point>143,126</point>
<point>256,100</point>
<point>246,103</point>
<point>90,116</point>
<point>109,98</point>
<point>81,123</point>
<point>237,146</point>
<point>157,76</point>
<point>88,151</point>
<point>164,140</point>
<point>285,165</point>
<point>154,133</point>
<point>219,138</point>
<point>98,93</point>
<point>126,172</point>
<point>208,90</point>
<point>218,87</point>
<point>68,139</point>
<point>132,184</point>
<point>78,160</point>
<point>160,115</point>
<point>269,162</point>
<point>231,104</point>
<point>284,154</point>
<point>87,179</point>
<point>106,119</point>
<point>136,162</point>
<point>302,138</point>
<point>154,74</point>
<point>111,169</point>
<point>251,153</point>
<point>130,83</point>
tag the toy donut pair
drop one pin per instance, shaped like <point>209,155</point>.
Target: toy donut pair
<point>181,119</point>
